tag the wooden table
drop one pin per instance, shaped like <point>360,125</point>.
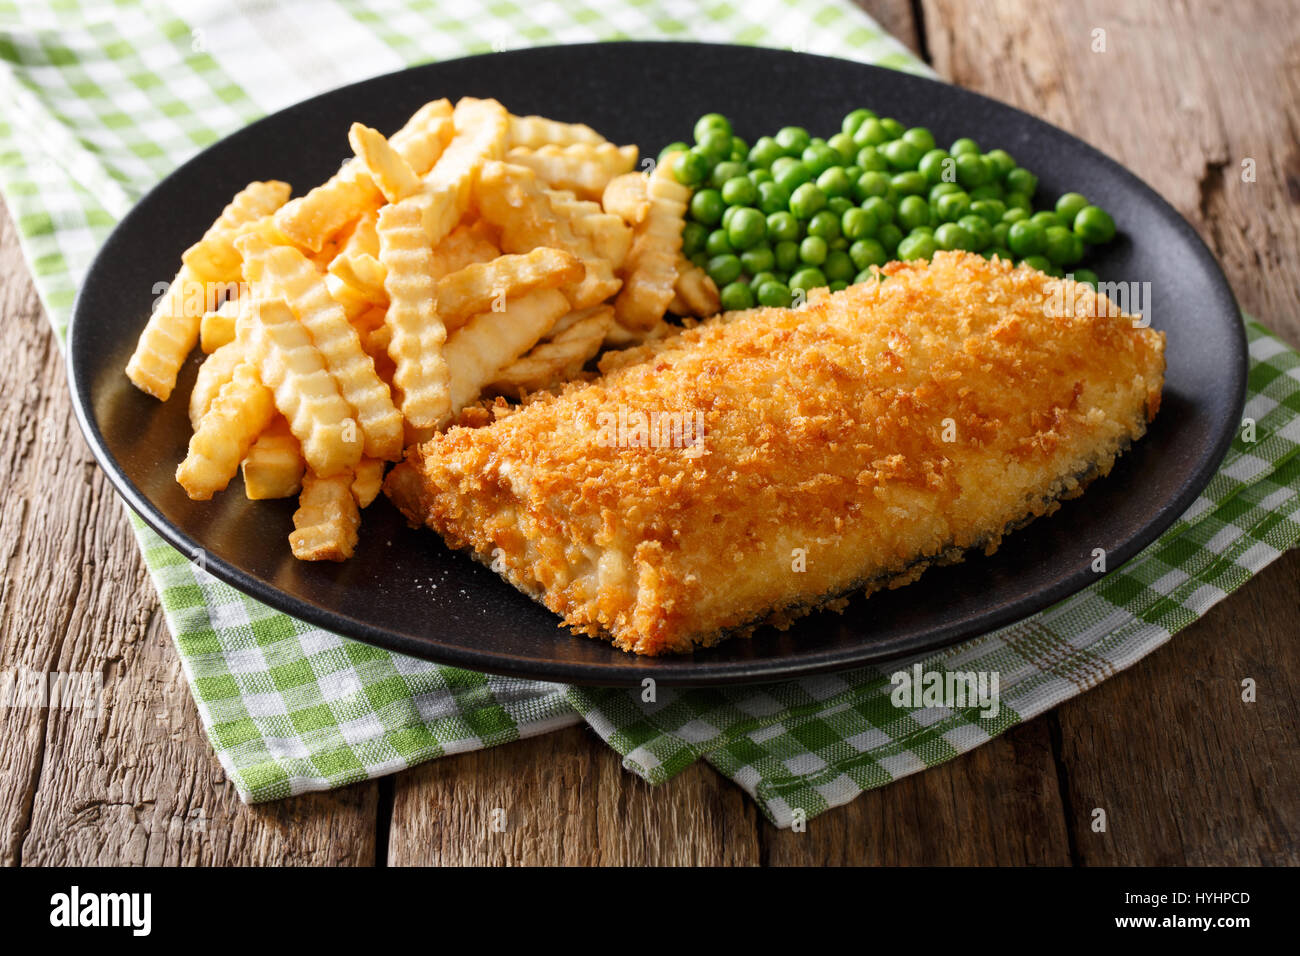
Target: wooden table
<point>1187,773</point>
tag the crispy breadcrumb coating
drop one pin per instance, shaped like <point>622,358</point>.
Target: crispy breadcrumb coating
<point>847,444</point>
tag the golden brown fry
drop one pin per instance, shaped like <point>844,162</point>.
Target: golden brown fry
<point>483,286</point>
<point>492,340</point>
<point>625,196</point>
<point>304,391</point>
<point>582,168</point>
<point>217,369</point>
<point>464,246</point>
<point>312,220</point>
<point>241,410</point>
<point>510,198</point>
<point>417,334</point>
<point>214,257</point>
<point>368,480</point>
<point>274,466</point>
<point>610,236</point>
<point>327,519</point>
<point>218,328</point>
<point>696,290</point>
<point>535,131</point>
<point>650,271</point>
<point>562,356</point>
<point>388,170</point>
<point>282,271</point>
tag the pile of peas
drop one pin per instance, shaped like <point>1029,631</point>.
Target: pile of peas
<point>796,212</point>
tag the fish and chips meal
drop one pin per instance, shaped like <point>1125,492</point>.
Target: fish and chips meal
<point>671,400</point>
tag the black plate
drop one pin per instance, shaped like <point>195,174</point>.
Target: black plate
<point>405,591</point>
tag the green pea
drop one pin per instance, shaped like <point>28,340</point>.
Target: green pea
<point>870,160</point>
<point>857,224</point>
<point>981,233</point>
<point>739,192</point>
<point>1037,262</point>
<point>1061,246</point>
<point>728,214</point>
<point>782,225</point>
<point>677,147</point>
<point>839,205</point>
<point>813,251</point>
<point>893,128</point>
<point>1021,180</point>
<point>747,227</point>
<point>999,234</point>
<point>825,224</point>
<point>805,279</point>
<point>715,144</point>
<point>787,255</point>
<point>920,137</point>
<point>837,285</point>
<point>853,172</point>
<point>910,183</point>
<point>840,243</point>
<point>739,149</point>
<point>987,191</point>
<point>764,152</point>
<point>1001,252</point>
<point>772,197</point>
<point>718,244</point>
<point>723,269</point>
<point>1086,276</point>
<point>853,120</point>
<point>774,294</point>
<point>839,266</point>
<point>694,235</point>
<point>1047,219</point>
<point>792,139</point>
<point>943,189</point>
<point>913,211</point>
<point>736,296</point>
<point>758,278</point>
<point>870,184</point>
<point>1026,238</point>
<point>964,145</point>
<point>819,157</point>
<point>807,201</point>
<point>917,246</point>
<point>901,154</point>
<point>723,171</point>
<point>835,182</point>
<point>709,123</point>
<point>1094,225</point>
<point>1068,206</point>
<point>938,166</point>
<point>844,147</point>
<point>880,210</point>
<point>1014,214</point>
<point>990,210</point>
<point>1019,200</point>
<point>950,236</point>
<point>889,236</point>
<point>972,171</point>
<point>707,206</point>
<point>790,176</point>
<point>757,259</point>
<point>871,133</point>
<point>759,176</point>
<point>868,252</point>
<point>1002,162</point>
<point>690,168</point>
<point>928,230</point>
<point>952,206</point>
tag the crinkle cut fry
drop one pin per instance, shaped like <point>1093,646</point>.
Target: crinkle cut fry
<point>583,168</point>
<point>478,287</point>
<point>650,272</point>
<point>562,355</point>
<point>535,131</point>
<point>226,431</point>
<point>214,257</point>
<point>327,519</point>
<point>274,464</point>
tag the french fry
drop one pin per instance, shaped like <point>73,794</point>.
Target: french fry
<point>417,334</point>
<point>327,519</point>
<point>535,131</point>
<point>464,245</point>
<point>510,198</point>
<point>274,465</point>
<point>582,168</point>
<point>283,271</point>
<point>368,480</point>
<point>562,356</point>
<point>364,273</point>
<point>625,197</point>
<point>173,329</point>
<point>305,393</point>
<point>492,340</point>
<point>479,287</point>
<point>610,236</point>
<point>217,369</point>
<point>621,337</point>
<point>312,220</point>
<point>650,272</point>
<point>218,328</point>
<point>241,410</point>
<point>214,257</point>
<point>388,170</point>
<point>696,290</point>
<point>353,300</point>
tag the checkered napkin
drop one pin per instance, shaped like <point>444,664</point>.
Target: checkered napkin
<point>101,99</point>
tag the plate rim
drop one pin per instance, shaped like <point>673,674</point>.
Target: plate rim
<point>636,669</point>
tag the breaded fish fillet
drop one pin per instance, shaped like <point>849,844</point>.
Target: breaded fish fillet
<point>845,445</point>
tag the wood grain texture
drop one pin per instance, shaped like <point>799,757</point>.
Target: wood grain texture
<point>1186,771</point>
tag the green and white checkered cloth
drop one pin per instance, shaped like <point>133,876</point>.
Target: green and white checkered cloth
<point>101,99</point>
